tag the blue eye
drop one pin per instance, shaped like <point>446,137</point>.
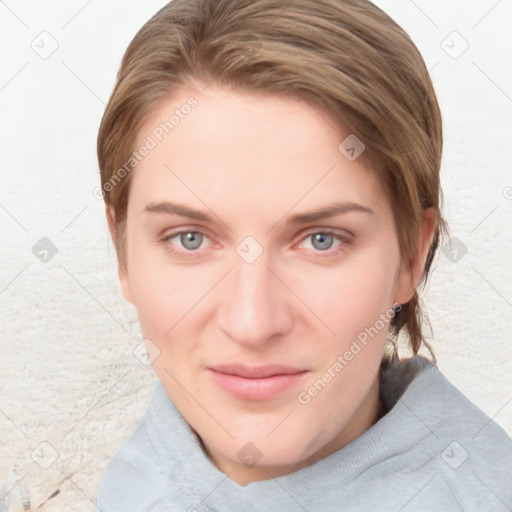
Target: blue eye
<point>323,241</point>
<point>189,241</point>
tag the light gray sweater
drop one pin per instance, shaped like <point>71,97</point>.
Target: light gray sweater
<point>433,451</point>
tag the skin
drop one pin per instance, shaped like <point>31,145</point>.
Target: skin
<point>251,161</point>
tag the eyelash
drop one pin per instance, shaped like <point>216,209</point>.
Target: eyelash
<point>343,239</point>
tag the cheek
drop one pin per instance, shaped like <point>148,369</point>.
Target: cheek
<point>162,293</point>
<point>355,303</point>
<point>350,297</point>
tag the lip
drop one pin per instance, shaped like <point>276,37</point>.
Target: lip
<point>256,382</point>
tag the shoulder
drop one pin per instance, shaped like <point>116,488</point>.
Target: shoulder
<point>130,475</point>
<point>475,444</point>
<point>471,453</point>
<point>452,414</point>
<point>134,477</point>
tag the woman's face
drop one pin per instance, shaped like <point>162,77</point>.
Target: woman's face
<point>263,263</point>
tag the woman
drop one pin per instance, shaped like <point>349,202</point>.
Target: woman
<point>271,179</point>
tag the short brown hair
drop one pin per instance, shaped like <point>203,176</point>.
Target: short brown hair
<point>346,57</point>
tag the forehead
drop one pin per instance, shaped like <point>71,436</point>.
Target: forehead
<point>248,149</point>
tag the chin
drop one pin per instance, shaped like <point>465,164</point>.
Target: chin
<point>275,451</point>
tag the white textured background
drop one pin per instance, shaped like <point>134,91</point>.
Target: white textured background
<point>68,376</point>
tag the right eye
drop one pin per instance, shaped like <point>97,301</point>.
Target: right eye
<point>185,241</point>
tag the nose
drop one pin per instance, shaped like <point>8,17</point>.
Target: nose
<point>254,305</point>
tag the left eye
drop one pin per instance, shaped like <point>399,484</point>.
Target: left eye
<point>189,240</point>
<point>322,241</point>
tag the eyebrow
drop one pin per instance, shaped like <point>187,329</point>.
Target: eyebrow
<point>177,209</point>
<point>329,211</point>
<point>299,218</point>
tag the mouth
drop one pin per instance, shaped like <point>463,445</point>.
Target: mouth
<point>256,382</point>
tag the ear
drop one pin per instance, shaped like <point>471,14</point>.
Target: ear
<point>410,273</point>
<point>122,270</point>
